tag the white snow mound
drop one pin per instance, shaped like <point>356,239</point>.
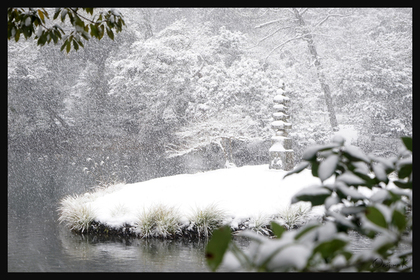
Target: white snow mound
<point>243,192</point>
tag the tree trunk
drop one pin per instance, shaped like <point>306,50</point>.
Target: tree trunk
<point>307,36</point>
<point>53,115</point>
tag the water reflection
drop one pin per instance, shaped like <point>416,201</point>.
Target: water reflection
<point>134,254</point>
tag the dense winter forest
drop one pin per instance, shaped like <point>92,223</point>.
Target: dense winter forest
<point>176,79</point>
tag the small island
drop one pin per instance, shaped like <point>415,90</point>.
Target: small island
<point>191,205</point>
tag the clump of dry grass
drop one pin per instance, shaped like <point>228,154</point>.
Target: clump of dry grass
<point>294,215</point>
<point>76,213</point>
<point>204,220</point>
<point>158,221</point>
<point>260,224</point>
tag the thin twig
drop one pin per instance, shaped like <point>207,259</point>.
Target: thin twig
<point>269,35</point>
<point>81,15</point>
<point>328,16</point>
<point>281,45</point>
<point>268,23</point>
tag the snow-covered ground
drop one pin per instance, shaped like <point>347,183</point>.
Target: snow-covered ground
<point>349,133</point>
<point>243,193</point>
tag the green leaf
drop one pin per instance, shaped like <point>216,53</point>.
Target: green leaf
<point>75,45</point>
<point>305,229</point>
<point>17,35</point>
<point>314,168</point>
<point>110,33</point>
<point>89,10</point>
<point>403,184</point>
<point>327,167</point>
<point>277,229</point>
<point>79,22</point>
<point>68,46</point>
<point>354,153</point>
<point>408,143</point>
<point>42,39</point>
<point>217,246</point>
<point>350,179</point>
<point>310,153</point>
<point>301,166</point>
<point>57,34</point>
<point>41,16</point>
<point>330,201</point>
<point>94,31</point>
<point>101,31</point>
<point>26,32</point>
<point>405,170</point>
<point>398,219</point>
<point>56,13</point>
<point>375,216</point>
<point>63,14</point>
<point>329,248</point>
<point>380,173</point>
<point>81,44</point>
<point>63,46</point>
<point>54,37</point>
<point>316,195</point>
<point>343,191</point>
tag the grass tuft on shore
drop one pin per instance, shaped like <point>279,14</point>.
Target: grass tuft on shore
<point>294,215</point>
<point>158,221</point>
<point>76,213</point>
<point>204,220</point>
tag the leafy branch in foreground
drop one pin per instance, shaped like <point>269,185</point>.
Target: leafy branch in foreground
<point>384,217</point>
<point>86,25</point>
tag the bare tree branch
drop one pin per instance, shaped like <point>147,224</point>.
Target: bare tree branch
<point>269,35</point>
<point>327,17</point>
<point>281,45</point>
<point>304,11</point>
<point>268,23</point>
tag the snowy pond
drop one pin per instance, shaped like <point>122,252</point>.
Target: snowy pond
<point>37,242</point>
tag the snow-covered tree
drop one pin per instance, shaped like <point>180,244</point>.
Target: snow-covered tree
<point>377,77</point>
<point>198,82</point>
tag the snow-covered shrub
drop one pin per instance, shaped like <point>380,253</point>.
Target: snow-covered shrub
<point>76,213</point>
<point>382,215</point>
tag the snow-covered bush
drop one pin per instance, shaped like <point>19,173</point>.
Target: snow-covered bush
<point>376,89</point>
<point>194,80</point>
<point>384,216</point>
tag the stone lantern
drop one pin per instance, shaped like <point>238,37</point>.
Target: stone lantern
<point>281,153</point>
